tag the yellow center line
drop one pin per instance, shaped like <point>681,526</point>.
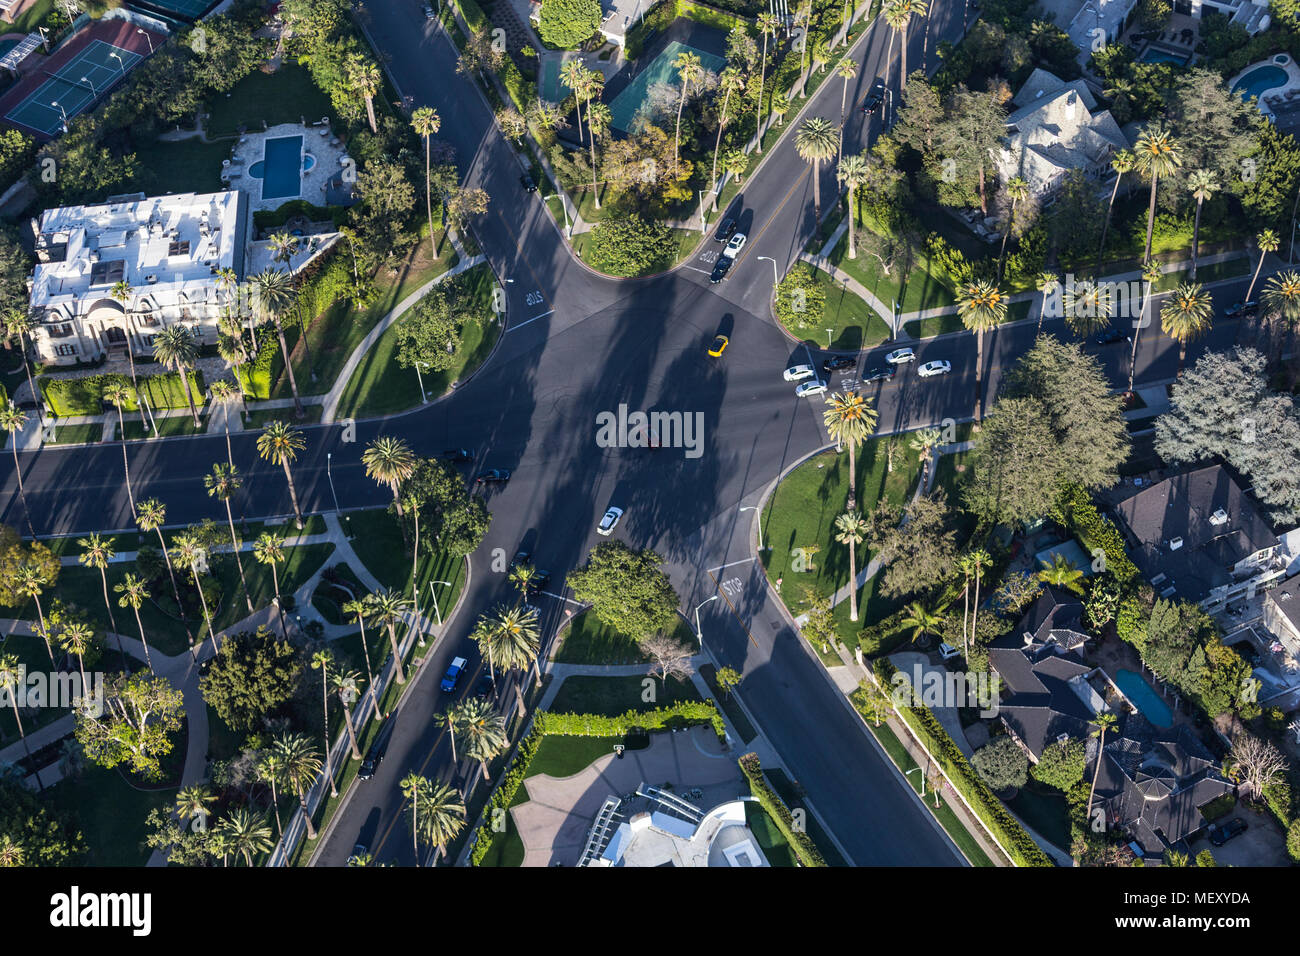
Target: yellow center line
<point>734,612</point>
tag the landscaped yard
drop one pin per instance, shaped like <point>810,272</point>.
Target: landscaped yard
<point>588,641</point>
<point>377,540</point>
<point>611,696</point>
<point>914,290</point>
<point>286,96</point>
<point>853,323</point>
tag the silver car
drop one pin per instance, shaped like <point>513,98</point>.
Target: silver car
<point>609,521</point>
<point>810,388</point>
<point>798,373</point>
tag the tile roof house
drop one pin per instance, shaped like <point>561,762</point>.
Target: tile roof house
<point>1200,537</point>
<point>1054,130</point>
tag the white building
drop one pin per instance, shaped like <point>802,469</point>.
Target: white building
<point>168,250</point>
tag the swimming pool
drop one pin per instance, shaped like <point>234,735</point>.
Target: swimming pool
<point>1154,54</point>
<point>1259,81</point>
<point>1144,698</point>
<point>280,168</point>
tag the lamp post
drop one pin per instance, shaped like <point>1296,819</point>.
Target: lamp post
<point>329,455</point>
<point>829,333</point>
<point>568,229</point>
<point>120,65</point>
<point>775,280</point>
<point>93,92</point>
<point>148,39</point>
<point>760,527</point>
<point>62,113</point>
<point>914,770</point>
<point>699,634</point>
<point>424,399</point>
<point>434,595</point>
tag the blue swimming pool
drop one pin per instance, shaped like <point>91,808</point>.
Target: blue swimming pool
<point>1144,698</point>
<point>281,168</point>
<point>1259,81</point>
<point>1154,54</point>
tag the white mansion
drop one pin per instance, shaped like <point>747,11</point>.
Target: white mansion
<point>167,250</point>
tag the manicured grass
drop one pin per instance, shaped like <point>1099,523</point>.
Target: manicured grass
<point>1046,811</point>
<point>770,839</point>
<point>611,696</point>
<point>300,564</point>
<point>379,386</point>
<point>1207,272</point>
<point>588,641</point>
<point>187,165</point>
<point>31,653</point>
<point>30,18</point>
<point>854,323</point>
<point>377,540</point>
<point>77,434</point>
<point>286,96</point>
<point>561,756</point>
<point>950,471</point>
<point>916,289</point>
<point>951,322</point>
<point>729,705</point>
<point>169,427</point>
<point>259,417</point>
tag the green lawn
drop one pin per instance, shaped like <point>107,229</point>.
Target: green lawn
<point>169,427</point>
<point>770,839</point>
<point>611,696</point>
<point>187,165</point>
<point>951,322</point>
<point>921,287</point>
<point>379,386</point>
<point>854,323</point>
<point>288,95</point>
<point>1046,811</point>
<point>377,540</point>
<point>259,417</point>
<point>77,434</point>
<point>792,797</point>
<point>30,18</point>
<point>588,641</point>
<point>329,597</point>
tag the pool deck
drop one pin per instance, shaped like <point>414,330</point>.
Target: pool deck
<point>1278,101</point>
<point>318,141</point>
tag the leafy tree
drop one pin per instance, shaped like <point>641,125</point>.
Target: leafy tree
<point>428,337</point>
<point>450,518</point>
<point>626,589</point>
<point>1267,196</point>
<point>43,835</point>
<point>140,715</point>
<point>1011,478</point>
<point>630,246</point>
<point>800,298</point>
<point>252,676</point>
<point>14,555</point>
<point>1001,763</point>
<point>728,679</point>
<point>1062,764</point>
<point>567,23</point>
<point>919,550</point>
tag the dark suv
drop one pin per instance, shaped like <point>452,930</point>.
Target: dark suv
<point>725,230</point>
<point>375,755</point>
<point>875,97</point>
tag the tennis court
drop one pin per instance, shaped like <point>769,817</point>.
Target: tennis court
<point>76,85</point>
<point>663,69</point>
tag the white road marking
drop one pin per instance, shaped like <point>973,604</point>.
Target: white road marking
<point>533,319</point>
<point>722,567</point>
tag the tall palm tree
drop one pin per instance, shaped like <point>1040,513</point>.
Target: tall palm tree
<point>599,118</point>
<point>427,122</point>
<point>418,790</point>
<point>847,69</point>
<point>768,26</point>
<point>1202,184</point>
<point>1047,284</point>
<point>31,582</point>
<point>13,420</point>
<point>347,686</point>
<point>778,104</point>
<point>122,294</point>
<point>1089,306</point>
<point>360,609</point>
<point>854,172</point>
<point>1060,572</point>
<point>176,348</point>
<point>119,393</point>
<point>981,305</point>
<point>270,770</point>
<point>223,484</point>
<point>18,324</point>
<point>437,813</point>
<point>816,142</point>
<point>11,675</point>
<point>483,730</point>
<point>300,764</point>
<point>273,292</point>
<point>322,661</point>
<point>575,75</point>
<point>1122,162</point>
<point>233,347</point>
<point>980,560</point>
<point>279,444</point>
<point>966,566</point>
<point>135,591</point>
<point>227,396</point>
<point>1156,153</point>
<point>1104,721</point>
<point>151,516</point>
<point>803,17</point>
<point>388,606</point>
<point>365,79</point>
<point>268,549</point>
<point>851,529</point>
<point>193,802</point>
<point>389,461</point>
<point>12,853</point>
<point>1268,242</point>
<point>849,418</point>
<point>1281,300</point>
<point>922,620</point>
<point>1150,275</point>
<point>511,639</point>
<point>191,555</point>
<point>689,72</point>
<point>97,553</point>
<point>1017,190</point>
<point>731,81</point>
<point>898,14</point>
<point>1186,315</point>
<point>247,835</point>
<point>76,638</point>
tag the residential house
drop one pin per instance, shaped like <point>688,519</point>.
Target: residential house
<point>1091,24</point>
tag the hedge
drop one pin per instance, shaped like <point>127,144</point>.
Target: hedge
<point>800,842</point>
<point>273,218</point>
<point>324,282</point>
<point>522,92</point>
<point>472,13</point>
<point>504,795</point>
<point>1010,834</point>
<point>255,377</point>
<point>1096,532</point>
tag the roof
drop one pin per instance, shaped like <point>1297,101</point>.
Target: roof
<point>1286,597</point>
<point>1055,615</point>
<point>1081,18</point>
<point>1184,507</point>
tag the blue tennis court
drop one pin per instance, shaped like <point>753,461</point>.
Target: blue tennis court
<point>280,168</point>
<point>76,85</point>
<point>663,69</point>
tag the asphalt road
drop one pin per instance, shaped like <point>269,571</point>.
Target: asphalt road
<point>577,344</point>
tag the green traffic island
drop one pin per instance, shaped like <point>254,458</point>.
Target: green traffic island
<point>818,310</point>
<point>588,640</point>
<point>722,684</point>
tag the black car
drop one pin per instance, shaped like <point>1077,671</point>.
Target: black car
<point>725,230</point>
<point>837,362</point>
<point>522,558</point>
<point>1243,309</point>
<point>884,373</point>
<point>495,476</point>
<point>1110,337</point>
<point>1222,833</point>
<point>875,97</point>
<point>485,688</point>
<point>720,269</point>
<point>527,182</point>
<point>375,755</point>
<point>540,580</point>
<point>458,455</point>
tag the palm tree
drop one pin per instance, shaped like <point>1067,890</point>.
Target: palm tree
<point>14,420</point>
<point>300,764</point>
<point>233,347</point>
<point>575,75</point>
<point>119,393</point>
<point>31,582</point>
<point>1047,284</point>
<point>11,853</point>
<point>510,637</point>
<point>18,324</point>
<point>768,26</point>
<point>268,549</point>
<point>898,14</point>
<point>360,608</point>
<point>226,395</point>
<point>1150,275</point>
<point>135,591</point>
<point>389,461</point>
<point>1017,190</point>
<point>1104,721</point>
<point>247,835</point>
<point>731,81</point>
<point>192,802</point>
<point>778,104</point>
<point>981,305</point>
<point>483,730</point>
<point>922,620</point>
<point>270,770</point>
<point>222,484</point>
<point>426,122</point>
<point>1281,300</point>
<point>849,419</point>
<point>851,529</point>
<point>177,350</point>
<point>279,444</point>
<point>1186,315</point>
<point>1156,154</point>
<point>1122,162</point>
<point>689,71</point>
<point>854,172</point>
<point>599,118</point>
<point>191,555</point>
<point>1202,184</point>
<point>847,69</point>
<point>437,813</point>
<point>1268,242</point>
<point>736,162</point>
<point>925,441</point>
<point>365,79</point>
<point>1060,572</point>
<point>418,790</point>
<point>151,516</point>
<point>11,675</point>
<point>347,685</point>
<point>273,292</point>
<point>816,142</point>
<point>76,638</point>
<point>1089,306</point>
<point>97,553</point>
<point>979,560</point>
<point>966,566</point>
<point>388,606</point>
<point>321,661</point>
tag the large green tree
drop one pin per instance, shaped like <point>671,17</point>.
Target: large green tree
<point>451,519</point>
<point>567,23</point>
<point>253,674</point>
<point>626,589</point>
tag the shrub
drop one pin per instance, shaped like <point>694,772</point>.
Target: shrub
<point>1293,840</point>
<point>769,800</point>
<point>255,377</point>
<point>473,14</point>
<point>1061,765</point>
<point>1096,532</point>
<point>631,246</point>
<point>522,92</point>
<point>274,218</point>
<point>800,298</point>
<point>567,23</point>
<point>1001,763</point>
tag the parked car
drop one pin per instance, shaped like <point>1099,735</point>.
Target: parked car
<point>875,97</point>
<point>485,688</point>
<point>797,373</point>
<point>1221,833</point>
<point>837,362</point>
<point>452,677</point>
<point>720,343</point>
<point>609,521</point>
<point>1110,336</point>
<point>1243,309</point>
<point>428,12</point>
<point>493,476</point>
<point>539,580</point>
<point>522,557</point>
<point>884,373</point>
<point>810,388</point>
<point>725,230</point>
<point>736,243</point>
<point>720,269</point>
<point>375,755</point>
<point>934,368</point>
<point>900,356</point>
<point>529,184</point>
<point>359,852</point>
<point>457,455</point>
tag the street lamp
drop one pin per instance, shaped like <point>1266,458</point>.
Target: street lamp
<point>704,226</point>
<point>914,770</point>
<point>829,333</point>
<point>424,399</point>
<point>330,475</point>
<point>148,38</point>
<point>775,280</point>
<point>760,527</point>
<point>93,92</point>
<point>568,229</point>
<point>699,634</point>
<point>61,113</point>
<point>434,595</point>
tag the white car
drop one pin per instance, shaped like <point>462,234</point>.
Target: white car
<point>810,388</point>
<point>735,245</point>
<point>428,12</point>
<point>799,372</point>
<point>899,356</point>
<point>934,368</point>
<point>610,521</point>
